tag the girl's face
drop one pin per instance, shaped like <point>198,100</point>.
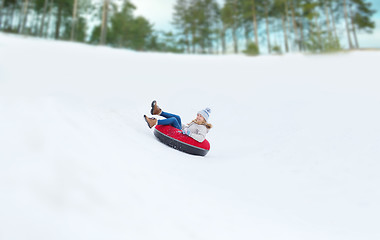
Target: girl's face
<point>200,118</point>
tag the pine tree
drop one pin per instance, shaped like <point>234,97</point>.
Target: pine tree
<point>346,20</point>
<point>279,11</point>
<point>63,12</point>
<point>23,17</point>
<point>44,12</point>
<point>361,17</point>
<point>255,24</point>
<point>1,12</point>
<point>181,22</point>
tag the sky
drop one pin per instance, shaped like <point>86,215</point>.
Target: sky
<point>159,12</point>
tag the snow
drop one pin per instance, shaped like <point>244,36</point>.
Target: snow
<point>295,147</point>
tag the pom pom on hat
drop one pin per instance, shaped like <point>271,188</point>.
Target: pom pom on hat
<point>205,113</point>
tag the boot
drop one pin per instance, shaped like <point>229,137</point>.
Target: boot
<point>155,109</point>
<point>150,121</point>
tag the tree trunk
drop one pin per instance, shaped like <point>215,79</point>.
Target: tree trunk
<point>24,17</point>
<point>333,23</point>
<point>193,31</point>
<point>74,20</point>
<point>58,21</point>
<point>187,42</point>
<point>255,24</point>
<point>35,25</point>
<point>234,38</point>
<point>294,23</point>
<point>7,18</point>
<point>43,18</point>
<point>12,11</point>
<point>302,39</point>
<point>223,36</point>
<point>219,42</point>
<point>267,29</point>
<point>48,22</point>
<point>234,29</point>
<point>347,26</point>
<point>319,36</point>
<point>284,19</point>
<point>284,27</point>
<point>103,35</point>
<point>327,20</point>
<point>1,13</point>
<point>246,34</point>
<point>353,27</point>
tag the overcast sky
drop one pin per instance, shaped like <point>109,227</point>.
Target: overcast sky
<point>160,12</point>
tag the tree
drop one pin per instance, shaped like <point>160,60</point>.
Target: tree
<point>141,30</point>
<point>121,22</point>
<point>24,17</point>
<point>231,19</point>
<point>208,10</point>
<point>126,31</point>
<point>252,49</point>
<point>74,20</point>
<point>361,17</point>
<point>284,21</point>
<point>103,34</point>
<point>42,24</point>
<point>181,22</point>
<point>63,11</point>
<point>280,11</point>
<point>345,9</point>
<point>254,19</point>
<point>1,12</point>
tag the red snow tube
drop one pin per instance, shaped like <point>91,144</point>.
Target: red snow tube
<point>173,137</point>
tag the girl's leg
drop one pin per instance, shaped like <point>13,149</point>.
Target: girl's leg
<point>170,121</point>
<point>170,115</point>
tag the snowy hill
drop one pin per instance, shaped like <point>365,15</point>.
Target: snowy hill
<point>295,147</point>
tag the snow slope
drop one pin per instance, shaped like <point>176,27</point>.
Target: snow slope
<point>295,147</point>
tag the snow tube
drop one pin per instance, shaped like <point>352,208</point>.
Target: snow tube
<point>173,137</point>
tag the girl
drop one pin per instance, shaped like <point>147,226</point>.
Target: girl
<point>197,129</point>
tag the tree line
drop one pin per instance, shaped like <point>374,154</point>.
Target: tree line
<point>276,25</point>
<point>201,26</point>
<point>107,22</point>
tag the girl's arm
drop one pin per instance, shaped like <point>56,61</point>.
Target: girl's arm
<point>200,136</point>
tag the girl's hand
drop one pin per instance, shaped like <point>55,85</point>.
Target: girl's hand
<point>186,131</point>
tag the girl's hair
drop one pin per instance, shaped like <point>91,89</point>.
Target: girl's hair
<point>208,125</point>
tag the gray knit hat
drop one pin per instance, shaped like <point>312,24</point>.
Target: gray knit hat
<point>205,113</point>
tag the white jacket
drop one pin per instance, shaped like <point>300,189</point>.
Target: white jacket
<point>198,132</point>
